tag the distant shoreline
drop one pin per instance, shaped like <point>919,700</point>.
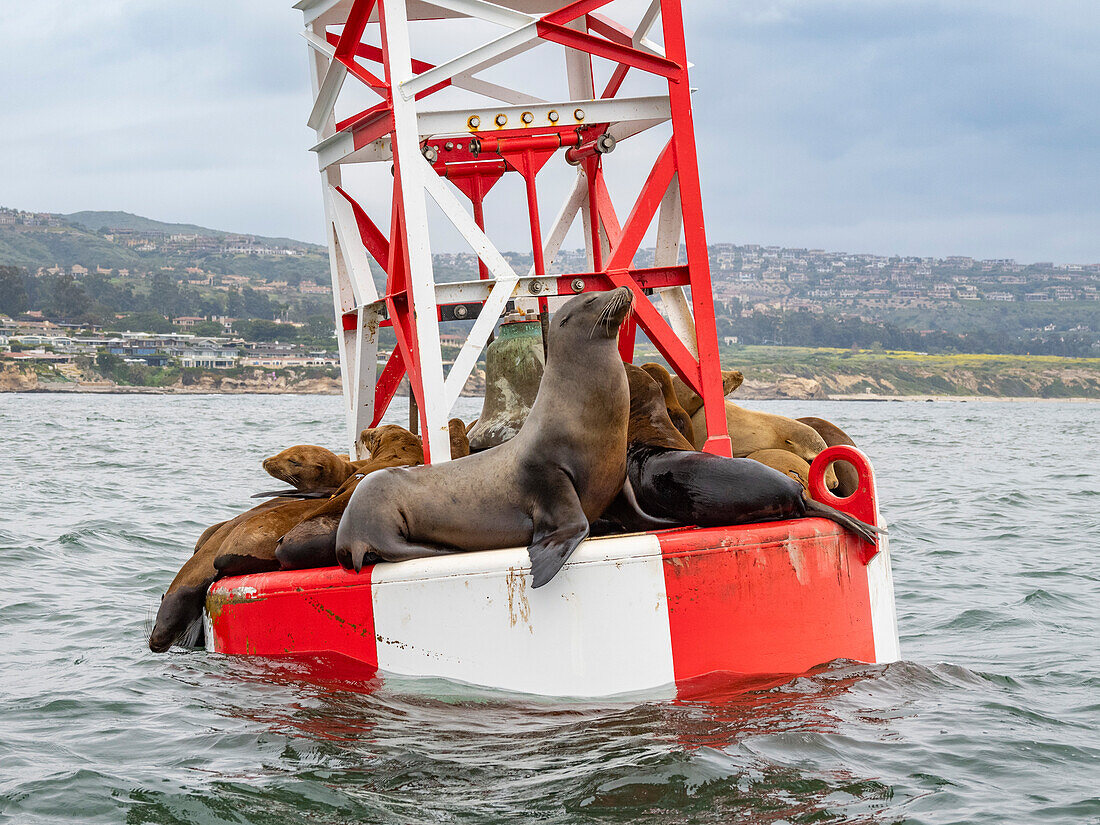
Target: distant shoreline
<point>122,390</point>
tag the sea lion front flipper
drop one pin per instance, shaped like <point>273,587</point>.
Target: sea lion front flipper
<point>235,564</point>
<point>560,525</point>
<point>292,493</point>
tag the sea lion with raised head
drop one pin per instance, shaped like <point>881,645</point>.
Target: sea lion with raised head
<point>460,442</point>
<point>679,417</point>
<point>312,541</point>
<point>692,402</point>
<point>540,488</point>
<point>671,481</point>
<point>832,435</point>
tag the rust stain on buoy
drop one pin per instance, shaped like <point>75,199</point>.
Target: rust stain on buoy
<point>517,598</point>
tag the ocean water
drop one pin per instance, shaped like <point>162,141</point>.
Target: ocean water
<point>991,716</point>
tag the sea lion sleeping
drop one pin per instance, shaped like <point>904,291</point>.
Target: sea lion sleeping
<point>671,482</point>
<point>313,471</point>
<point>312,542</point>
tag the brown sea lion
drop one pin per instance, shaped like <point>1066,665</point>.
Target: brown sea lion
<point>679,417</point>
<point>832,435</point>
<point>751,430</point>
<point>309,468</point>
<point>787,463</point>
<point>179,618</point>
<point>389,442</point>
<point>692,402</point>
<point>685,486</point>
<point>540,488</point>
<point>460,443</point>
<point>312,541</point>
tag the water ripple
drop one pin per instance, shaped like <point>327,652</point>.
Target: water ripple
<point>991,717</point>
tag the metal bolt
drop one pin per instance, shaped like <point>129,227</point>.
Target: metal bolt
<point>552,115</point>
<point>473,121</point>
<point>535,287</point>
<point>577,284</point>
<point>501,119</point>
<point>431,154</point>
<point>578,114</point>
<point>527,117</point>
<point>449,145</point>
<point>461,311</point>
<point>605,143</point>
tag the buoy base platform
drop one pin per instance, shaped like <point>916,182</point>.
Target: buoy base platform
<point>643,612</point>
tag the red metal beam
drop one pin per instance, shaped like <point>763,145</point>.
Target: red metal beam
<point>695,241</point>
<point>605,48</point>
<point>653,191</point>
<point>573,10</point>
<point>376,243</point>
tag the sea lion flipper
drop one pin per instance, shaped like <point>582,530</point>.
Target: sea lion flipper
<point>236,564</point>
<point>323,492</point>
<point>560,525</point>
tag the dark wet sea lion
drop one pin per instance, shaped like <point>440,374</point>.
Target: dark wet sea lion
<point>179,618</point>
<point>460,442</point>
<point>540,488</point>
<point>787,463</point>
<point>312,541</point>
<point>692,402</point>
<point>751,431</point>
<point>832,435</point>
<point>690,487</point>
<point>679,417</point>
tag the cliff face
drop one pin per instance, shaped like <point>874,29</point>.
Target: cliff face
<point>762,382</point>
<point>15,378</point>
<point>258,381</point>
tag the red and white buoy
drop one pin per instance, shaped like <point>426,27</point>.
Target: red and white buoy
<point>626,613</point>
<point>650,611</point>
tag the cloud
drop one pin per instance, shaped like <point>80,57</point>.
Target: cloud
<point>915,126</point>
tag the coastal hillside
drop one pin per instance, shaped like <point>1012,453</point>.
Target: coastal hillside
<point>770,373</point>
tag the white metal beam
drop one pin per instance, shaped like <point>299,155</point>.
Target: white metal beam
<point>472,61</point>
<point>414,174</point>
<point>612,110</point>
<point>670,221</point>
<point>566,215</point>
<point>327,94</point>
<point>351,245</point>
<point>489,12</point>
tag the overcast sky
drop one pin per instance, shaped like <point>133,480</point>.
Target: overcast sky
<point>890,126</point>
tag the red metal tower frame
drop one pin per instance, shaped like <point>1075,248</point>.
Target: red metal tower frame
<point>472,148</point>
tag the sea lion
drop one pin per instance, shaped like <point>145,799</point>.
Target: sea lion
<point>388,442</point>
<point>680,418</point>
<point>310,469</point>
<point>179,618</point>
<point>832,435</point>
<point>460,442</point>
<point>685,486</point>
<point>787,463</point>
<point>540,488</point>
<point>312,541</point>
<point>692,402</point>
<point>751,430</point>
